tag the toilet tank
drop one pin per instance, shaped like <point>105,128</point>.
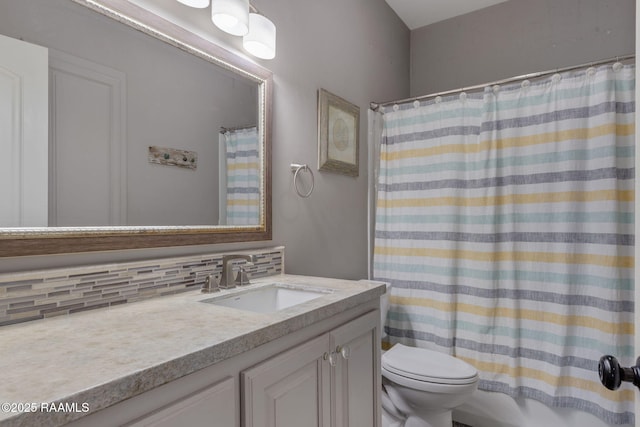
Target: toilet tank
<point>384,304</point>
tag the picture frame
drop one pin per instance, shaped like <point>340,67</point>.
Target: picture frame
<point>338,134</point>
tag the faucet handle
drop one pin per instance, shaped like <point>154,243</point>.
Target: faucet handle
<point>242,278</point>
<point>210,284</point>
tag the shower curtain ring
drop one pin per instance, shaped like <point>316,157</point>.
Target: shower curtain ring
<point>295,169</point>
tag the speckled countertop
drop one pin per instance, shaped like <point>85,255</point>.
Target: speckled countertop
<point>105,356</point>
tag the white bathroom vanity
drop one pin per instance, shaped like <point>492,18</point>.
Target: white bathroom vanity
<point>178,361</point>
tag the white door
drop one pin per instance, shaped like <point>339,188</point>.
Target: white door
<point>23,134</point>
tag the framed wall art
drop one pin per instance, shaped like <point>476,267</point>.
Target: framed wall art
<point>338,134</point>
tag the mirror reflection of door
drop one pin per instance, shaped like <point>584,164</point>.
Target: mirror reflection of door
<point>23,133</point>
<point>87,179</point>
<point>85,101</point>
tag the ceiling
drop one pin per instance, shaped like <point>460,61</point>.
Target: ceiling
<point>418,13</point>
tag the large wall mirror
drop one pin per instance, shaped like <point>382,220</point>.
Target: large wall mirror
<point>124,130</point>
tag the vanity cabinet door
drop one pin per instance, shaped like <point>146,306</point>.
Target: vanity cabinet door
<point>355,379</point>
<point>333,380</point>
<point>201,399</point>
<point>289,390</point>
<point>212,406</point>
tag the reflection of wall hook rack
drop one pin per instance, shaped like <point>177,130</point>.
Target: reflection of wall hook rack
<point>295,169</point>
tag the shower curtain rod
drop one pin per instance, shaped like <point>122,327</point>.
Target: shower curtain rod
<point>376,105</point>
<point>224,129</point>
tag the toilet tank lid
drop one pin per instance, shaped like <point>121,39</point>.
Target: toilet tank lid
<point>420,363</point>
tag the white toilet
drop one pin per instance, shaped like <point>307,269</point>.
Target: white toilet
<point>421,387</point>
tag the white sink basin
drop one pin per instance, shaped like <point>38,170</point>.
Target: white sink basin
<point>268,299</point>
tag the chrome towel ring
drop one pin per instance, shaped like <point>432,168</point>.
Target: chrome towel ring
<point>295,169</point>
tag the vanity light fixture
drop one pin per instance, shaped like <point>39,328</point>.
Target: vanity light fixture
<point>200,4</point>
<point>240,18</point>
<point>231,16</point>
<point>260,41</point>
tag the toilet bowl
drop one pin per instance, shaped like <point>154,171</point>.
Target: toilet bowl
<point>422,387</point>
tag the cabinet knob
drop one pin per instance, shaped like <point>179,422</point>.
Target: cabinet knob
<point>345,351</point>
<point>331,357</point>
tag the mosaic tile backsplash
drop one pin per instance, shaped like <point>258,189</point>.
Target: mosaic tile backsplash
<point>46,293</point>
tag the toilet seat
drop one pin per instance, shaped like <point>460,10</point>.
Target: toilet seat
<point>417,365</point>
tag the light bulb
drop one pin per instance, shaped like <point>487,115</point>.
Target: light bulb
<point>231,16</point>
<point>260,41</point>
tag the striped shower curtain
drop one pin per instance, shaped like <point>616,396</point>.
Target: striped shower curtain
<point>243,176</point>
<point>505,224</point>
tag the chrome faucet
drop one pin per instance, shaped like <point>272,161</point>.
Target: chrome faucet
<point>227,281</point>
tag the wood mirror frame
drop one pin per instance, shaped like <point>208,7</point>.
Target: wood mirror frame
<point>43,240</point>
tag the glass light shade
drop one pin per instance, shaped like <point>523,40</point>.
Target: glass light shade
<point>231,16</point>
<point>200,4</point>
<point>261,39</point>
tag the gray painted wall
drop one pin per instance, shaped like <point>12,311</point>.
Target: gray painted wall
<point>518,37</point>
<point>357,49</point>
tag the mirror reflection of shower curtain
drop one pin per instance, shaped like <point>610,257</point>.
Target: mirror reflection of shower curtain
<point>241,206</point>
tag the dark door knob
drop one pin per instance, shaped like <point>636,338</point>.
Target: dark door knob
<point>612,374</point>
